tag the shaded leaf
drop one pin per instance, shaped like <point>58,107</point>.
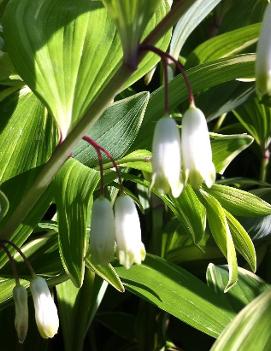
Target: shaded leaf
<point>256,119</point>
<point>78,307</point>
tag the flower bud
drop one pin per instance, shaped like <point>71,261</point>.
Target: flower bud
<point>21,312</point>
<point>45,309</point>
<point>196,149</point>
<point>166,157</point>
<point>128,233</point>
<point>102,235</point>
<point>263,58</point>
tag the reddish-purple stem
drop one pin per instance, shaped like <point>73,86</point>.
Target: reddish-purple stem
<point>98,149</point>
<point>12,262</point>
<point>26,261</point>
<point>179,66</point>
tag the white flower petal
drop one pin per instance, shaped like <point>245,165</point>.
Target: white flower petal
<point>196,148</point>
<point>128,232</point>
<point>21,311</point>
<point>166,157</point>
<point>102,235</point>
<point>263,57</point>
<point>45,309</point>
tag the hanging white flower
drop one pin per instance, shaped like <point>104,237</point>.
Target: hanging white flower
<point>166,157</point>
<point>21,312</point>
<point>102,234</point>
<point>128,232</point>
<point>45,309</point>
<point>196,149</point>
<point>263,57</point>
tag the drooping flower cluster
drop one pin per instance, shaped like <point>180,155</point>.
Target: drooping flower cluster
<point>177,160</point>
<point>123,227</point>
<point>45,309</point>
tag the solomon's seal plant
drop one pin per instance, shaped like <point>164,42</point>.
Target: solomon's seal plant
<point>126,209</point>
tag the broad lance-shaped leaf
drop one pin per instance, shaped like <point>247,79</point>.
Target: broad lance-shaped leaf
<point>66,51</point>
<point>77,308</point>
<point>226,147</point>
<point>242,241</point>
<point>188,22</point>
<point>248,287</point>
<point>28,138</point>
<point>28,134</point>
<point>224,45</point>
<point>73,189</point>
<point>250,329</point>
<point>178,292</point>
<point>115,130</point>
<point>240,202</point>
<point>222,235</point>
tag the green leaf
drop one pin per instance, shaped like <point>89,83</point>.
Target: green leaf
<point>222,235</point>
<point>179,293</point>
<point>78,307</point>
<point>190,212</point>
<point>250,329</point>
<point>226,147</point>
<point>224,45</point>
<point>131,19</point>
<point>201,77</point>
<point>8,75</point>
<point>67,52</point>
<point>4,205</point>
<point>240,202</point>
<point>139,159</point>
<point>73,189</point>
<point>225,98</point>
<point>107,273</point>
<point>248,287</point>
<point>242,241</point>
<point>256,119</point>
<point>116,129</point>
<point>188,22</point>
<point>15,192</point>
<point>28,134</point>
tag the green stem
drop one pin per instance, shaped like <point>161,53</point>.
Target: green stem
<point>95,110</point>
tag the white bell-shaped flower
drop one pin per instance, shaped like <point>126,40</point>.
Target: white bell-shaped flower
<point>196,149</point>
<point>21,312</point>
<point>166,157</point>
<point>45,309</point>
<point>263,57</point>
<point>128,232</point>
<point>102,234</point>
